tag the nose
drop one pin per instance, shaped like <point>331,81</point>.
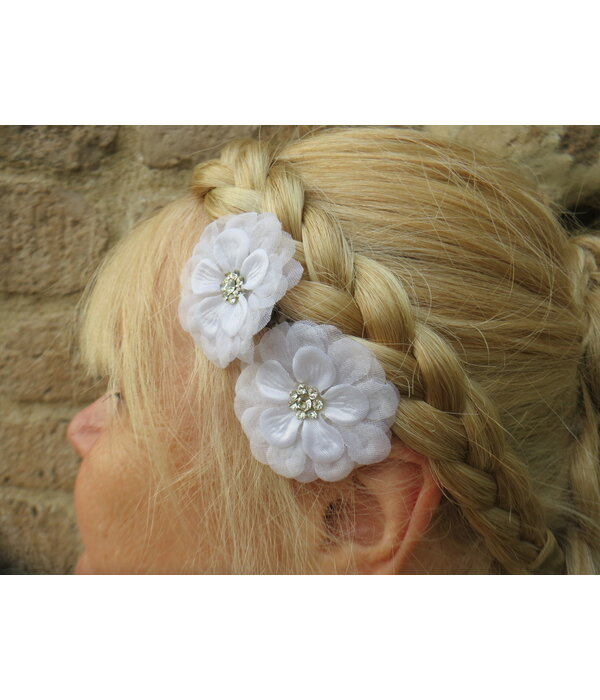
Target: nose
<point>87,426</point>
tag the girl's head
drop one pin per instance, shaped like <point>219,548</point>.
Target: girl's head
<point>455,273</point>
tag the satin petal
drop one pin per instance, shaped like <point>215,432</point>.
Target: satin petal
<point>279,426</point>
<point>321,441</point>
<point>234,315</point>
<point>206,315</point>
<point>274,382</point>
<point>254,268</point>
<point>231,249</point>
<point>345,405</point>
<point>206,278</point>
<point>312,366</point>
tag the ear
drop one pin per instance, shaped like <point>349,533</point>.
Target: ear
<point>377,522</point>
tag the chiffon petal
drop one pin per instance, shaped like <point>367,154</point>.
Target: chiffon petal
<point>246,221</point>
<point>366,443</point>
<point>308,474</point>
<point>289,461</point>
<point>336,471</point>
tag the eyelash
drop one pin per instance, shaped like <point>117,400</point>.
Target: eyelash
<point>118,399</point>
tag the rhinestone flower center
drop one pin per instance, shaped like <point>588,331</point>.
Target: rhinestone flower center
<point>306,402</point>
<point>231,286</point>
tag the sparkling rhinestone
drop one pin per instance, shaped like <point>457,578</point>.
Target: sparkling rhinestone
<point>231,286</point>
<point>306,402</point>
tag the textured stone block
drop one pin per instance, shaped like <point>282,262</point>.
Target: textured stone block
<point>38,532</point>
<point>184,146</point>
<point>564,160</point>
<point>38,360</point>
<point>51,239</point>
<point>582,143</point>
<point>64,147</point>
<point>35,451</point>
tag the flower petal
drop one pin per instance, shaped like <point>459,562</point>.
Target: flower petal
<point>206,278</point>
<point>257,317</point>
<point>336,471</point>
<point>287,461</point>
<point>205,316</point>
<point>259,450</point>
<point>186,302</point>
<point>274,382</point>
<point>279,426</point>
<point>272,346</point>
<point>354,361</point>
<point>221,350</point>
<point>312,366</point>
<point>250,419</point>
<point>302,333</point>
<point>267,232</point>
<point>366,443</point>
<point>321,441</point>
<point>234,315</point>
<point>231,248</point>
<point>383,398</point>
<point>292,271</point>
<point>245,221</point>
<point>345,405</point>
<point>254,268</point>
<point>309,473</point>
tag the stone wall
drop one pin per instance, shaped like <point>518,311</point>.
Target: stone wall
<point>67,193</point>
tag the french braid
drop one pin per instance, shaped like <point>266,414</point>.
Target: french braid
<point>446,414</point>
<point>583,541</point>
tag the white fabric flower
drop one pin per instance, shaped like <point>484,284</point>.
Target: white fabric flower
<point>240,268</point>
<point>316,404</point>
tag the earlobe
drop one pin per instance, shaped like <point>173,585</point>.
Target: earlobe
<point>378,527</point>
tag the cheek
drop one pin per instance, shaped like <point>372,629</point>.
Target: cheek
<point>125,529</point>
<point>107,498</point>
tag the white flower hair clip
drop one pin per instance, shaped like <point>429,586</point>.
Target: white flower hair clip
<point>316,404</point>
<point>241,267</point>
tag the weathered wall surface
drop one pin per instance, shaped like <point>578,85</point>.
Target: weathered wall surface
<point>66,195</point>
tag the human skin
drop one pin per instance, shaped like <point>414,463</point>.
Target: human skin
<point>124,528</point>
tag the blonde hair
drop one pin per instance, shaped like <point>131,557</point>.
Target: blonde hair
<point>452,268</point>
